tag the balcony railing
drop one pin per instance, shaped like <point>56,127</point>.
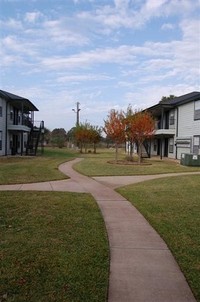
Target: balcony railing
<point>20,120</point>
<point>170,125</point>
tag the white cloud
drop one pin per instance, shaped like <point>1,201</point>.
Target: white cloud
<point>122,55</point>
<point>60,33</point>
<point>167,26</point>
<point>125,14</point>
<point>13,45</point>
<point>105,57</point>
<point>11,24</point>
<point>84,77</point>
<point>32,17</point>
<point>151,95</point>
<point>152,5</point>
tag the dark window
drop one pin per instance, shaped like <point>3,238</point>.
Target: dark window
<point>11,115</point>
<point>0,140</point>
<point>197,110</point>
<point>1,111</point>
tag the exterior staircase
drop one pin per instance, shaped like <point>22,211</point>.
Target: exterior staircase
<point>35,137</point>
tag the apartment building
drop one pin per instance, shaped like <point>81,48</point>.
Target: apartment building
<point>19,134</point>
<point>177,126</point>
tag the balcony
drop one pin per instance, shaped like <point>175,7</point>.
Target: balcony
<point>19,123</point>
<point>166,132</point>
<point>168,129</point>
<point>19,128</point>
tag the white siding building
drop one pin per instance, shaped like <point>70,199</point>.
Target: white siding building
<point>18,134</point>
<point>177,126</point>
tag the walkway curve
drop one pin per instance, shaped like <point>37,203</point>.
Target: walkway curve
<point>142,268</point>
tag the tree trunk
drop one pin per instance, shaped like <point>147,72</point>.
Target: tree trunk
<point>131,151</point>
<point>95,149</point>
<point>81,147</point>
<point>116,152</point>
<point>139,153</point>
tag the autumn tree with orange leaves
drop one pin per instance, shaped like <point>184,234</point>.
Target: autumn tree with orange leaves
<point>140,126</point>
<point>114,127</point>
<point>87,134</point>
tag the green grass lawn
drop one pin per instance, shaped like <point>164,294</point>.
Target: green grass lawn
<point>98,165</point>
<point>34,169</point>
<point>172,206</point>
<point>15,170</point>
<point>53,248</point>
<point>54,245</point>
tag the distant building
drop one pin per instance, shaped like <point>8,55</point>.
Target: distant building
<point>19,134</point>
<point>177,128</point>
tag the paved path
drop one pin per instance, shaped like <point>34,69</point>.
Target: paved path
<point>142,269</point>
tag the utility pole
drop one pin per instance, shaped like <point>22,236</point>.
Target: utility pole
<point>77,113</point>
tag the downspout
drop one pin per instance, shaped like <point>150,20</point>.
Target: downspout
<point>161,141</point>
<point>22,132</point>
<point>177,130</point>
<point>22,142</point>
<point>6,130</point>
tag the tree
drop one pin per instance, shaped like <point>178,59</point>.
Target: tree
<point>70,136</point>
<point>95,135</point>
<point>47,135</point>
<point>141,128</point>
<point>86,134</point>
<point>58,137</point>
<point>82,136</point>
<point>114,127</point>
<point>128,129</point>
<point>167,98</point>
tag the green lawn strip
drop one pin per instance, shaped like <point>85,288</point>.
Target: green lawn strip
<point>172,206</point>
<point>53,248</point>
<point>100,166</point>
<point>34,169</point>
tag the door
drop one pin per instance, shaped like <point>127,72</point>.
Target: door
<point>166,147</point>
<point>15,144</point>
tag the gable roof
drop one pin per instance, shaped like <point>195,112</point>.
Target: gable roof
<point>177,101</point>
<point>18,100</point>
<point>183,99</point>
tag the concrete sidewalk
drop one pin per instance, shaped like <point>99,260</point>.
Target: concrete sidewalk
<point>142,269</point>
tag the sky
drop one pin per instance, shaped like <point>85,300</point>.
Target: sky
<point>103,54</point>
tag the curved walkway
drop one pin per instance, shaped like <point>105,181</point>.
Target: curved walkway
<point>142,268</point>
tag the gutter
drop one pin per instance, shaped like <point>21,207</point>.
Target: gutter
<point>177,118</point>
<point>6,130</point>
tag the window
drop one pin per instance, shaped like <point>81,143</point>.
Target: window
<point>171,145</point>
<point>11,115</point>
<point>197,110</point>
<point>0,140</point>
<point>196,144</point>
<point>1,111</point>
<point>171,118</point>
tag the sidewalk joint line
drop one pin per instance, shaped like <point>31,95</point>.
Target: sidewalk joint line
<point>139,248</point>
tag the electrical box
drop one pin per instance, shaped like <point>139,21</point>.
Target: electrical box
<point>190,159</point>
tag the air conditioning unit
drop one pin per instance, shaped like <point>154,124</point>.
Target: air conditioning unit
<point>190,159</point>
